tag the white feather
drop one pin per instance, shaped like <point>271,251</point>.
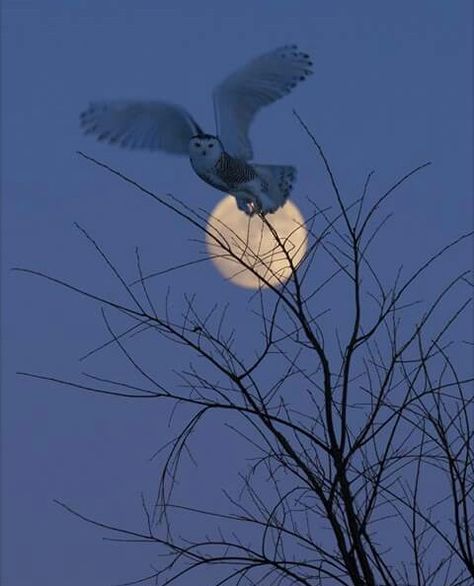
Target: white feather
<point>142,125</point>
<point>260,83</point>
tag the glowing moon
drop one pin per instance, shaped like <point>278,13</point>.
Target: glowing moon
<point>251,240</point>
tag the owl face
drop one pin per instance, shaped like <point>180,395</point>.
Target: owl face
<point>205,148</point>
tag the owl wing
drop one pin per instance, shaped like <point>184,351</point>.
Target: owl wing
<point>141,125</point>
<point>260,83</point>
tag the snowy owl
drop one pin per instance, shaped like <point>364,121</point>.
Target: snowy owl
<point>223,160</point>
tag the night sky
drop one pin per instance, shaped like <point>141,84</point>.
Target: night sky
<point>392,89</point>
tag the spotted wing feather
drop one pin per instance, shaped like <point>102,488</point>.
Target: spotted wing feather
<point>278,182</point>
<point>141,125</point>
<point>260,83</point>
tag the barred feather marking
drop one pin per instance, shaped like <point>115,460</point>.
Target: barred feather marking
<point>233,172</point>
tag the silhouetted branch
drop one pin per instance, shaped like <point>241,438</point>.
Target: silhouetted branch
<point>348,429</point>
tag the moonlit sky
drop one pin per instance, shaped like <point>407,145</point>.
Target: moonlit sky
<point>252,241</point>
<point>392,89</point>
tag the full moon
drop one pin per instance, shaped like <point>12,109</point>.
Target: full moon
<point>263,248</point>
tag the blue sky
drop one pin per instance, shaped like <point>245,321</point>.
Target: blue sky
<point>392,89</point>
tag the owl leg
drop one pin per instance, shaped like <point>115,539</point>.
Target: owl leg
<point>247,204</point>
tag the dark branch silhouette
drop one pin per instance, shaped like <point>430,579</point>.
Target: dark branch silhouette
<point>348,436</point>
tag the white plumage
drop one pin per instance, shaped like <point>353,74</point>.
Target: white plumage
<point>222,160</point>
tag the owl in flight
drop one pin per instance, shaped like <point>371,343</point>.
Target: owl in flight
<point>222,160</point>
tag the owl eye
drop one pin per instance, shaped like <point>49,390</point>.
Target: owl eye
<point>197,144</point>
<point>211,145</point>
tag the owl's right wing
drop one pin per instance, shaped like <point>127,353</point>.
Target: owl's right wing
<point>260,83</point>
<point>141,125</point>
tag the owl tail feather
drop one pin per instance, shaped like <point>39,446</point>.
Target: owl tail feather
<point>280,179</point>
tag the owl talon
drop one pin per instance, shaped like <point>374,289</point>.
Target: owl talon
<point>252,208</point>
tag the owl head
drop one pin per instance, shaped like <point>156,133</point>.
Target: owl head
<point>205,147</point>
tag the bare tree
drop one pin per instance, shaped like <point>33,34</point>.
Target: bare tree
<point>350,426</point>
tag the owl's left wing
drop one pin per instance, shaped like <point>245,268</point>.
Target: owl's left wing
<point>150,125</point>
<point>260,83</point>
